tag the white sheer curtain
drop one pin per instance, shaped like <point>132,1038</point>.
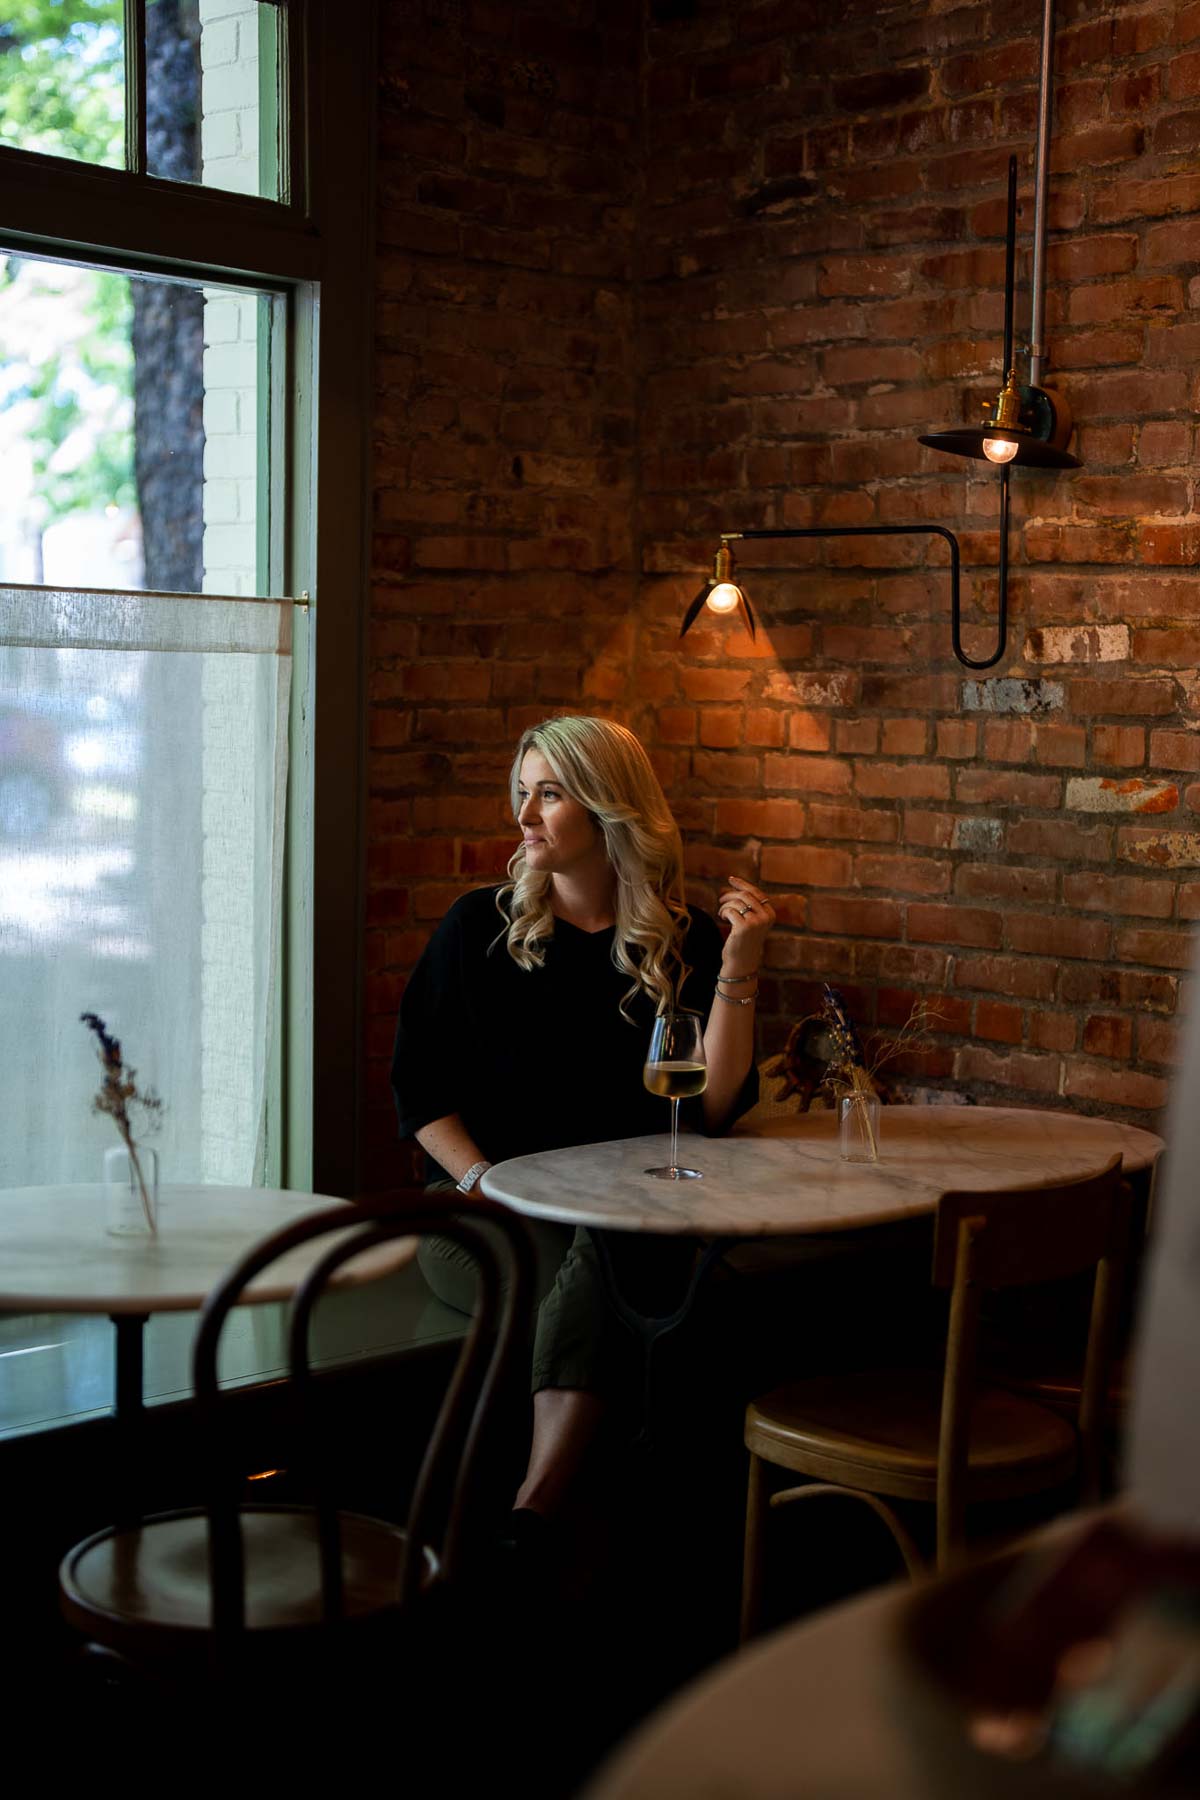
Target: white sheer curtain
<point>143,745</point>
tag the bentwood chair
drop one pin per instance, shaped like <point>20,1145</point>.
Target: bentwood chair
<point>238,1598</point>
<point>936,1435</point>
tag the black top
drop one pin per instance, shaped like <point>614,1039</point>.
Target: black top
<point>536,1059</point>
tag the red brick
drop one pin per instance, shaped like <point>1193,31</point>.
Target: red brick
<point>1047,935</point>
<point>713,769</point>
<point>721,727</point>
<point>856,917</point>
<point>902,962</point>
<point>765,728</point>
<point>1133,698</point>
<point>955,925</point>
<point>1002,1023</point>
<point>760,818</point>
<point>992,881</point>
<point>905,737</point>
<point>805,866</point>
<point>489,857</point>
<point>1008,740</point>
<point>1119,746</point>
<point>957,738</point>
<point>1060,838</point>
<point>985,787</point>
<point>932,830</point>
<point>866,825</point>
<point>1115,1087</point>
<point>714,684</point>
<point>1061,745</point>
<point>809,774</point>
<point>1033,1074</point>
<point>1108,1034</point>
<point>809,731</point>
<point>1158,1042</point>
<point>1175,750</point>
<point>901,781</point>
<point>1018,977</point>
<point>904,874</point>
<point>1162,949</point>
<point>1126,894</point>
<point>1052,1031</point>
<point>856,737</point>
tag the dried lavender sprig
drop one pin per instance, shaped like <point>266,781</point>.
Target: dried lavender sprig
<point>118,1092</point>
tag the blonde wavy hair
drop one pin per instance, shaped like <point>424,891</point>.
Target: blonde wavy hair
<point>604,767</point>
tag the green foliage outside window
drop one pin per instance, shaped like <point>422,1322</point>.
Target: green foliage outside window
<point>62,78</point>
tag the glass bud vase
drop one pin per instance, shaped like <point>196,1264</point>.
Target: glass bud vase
<point>132,1203</point>
<point>858,1127</point>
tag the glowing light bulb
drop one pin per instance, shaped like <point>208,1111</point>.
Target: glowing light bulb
<point>999,450</point>
<point>724,597</point>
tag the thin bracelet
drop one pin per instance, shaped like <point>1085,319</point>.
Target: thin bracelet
<point>732,999</point>
<point>736,980</point>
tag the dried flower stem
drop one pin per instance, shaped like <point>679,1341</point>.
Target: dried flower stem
<point>117,1095</point>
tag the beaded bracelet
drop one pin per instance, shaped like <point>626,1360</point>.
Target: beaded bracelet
<point>732,999</point>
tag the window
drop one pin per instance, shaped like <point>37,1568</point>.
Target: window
<point>169,238</point>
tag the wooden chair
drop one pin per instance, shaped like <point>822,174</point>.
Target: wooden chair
<point>270,1598</point>
<point>935,1435</point>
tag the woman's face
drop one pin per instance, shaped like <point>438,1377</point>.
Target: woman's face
<point>561,836</point>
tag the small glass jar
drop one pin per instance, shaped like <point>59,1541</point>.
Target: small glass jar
<point>132,1204</point>
<point>858,1127</point>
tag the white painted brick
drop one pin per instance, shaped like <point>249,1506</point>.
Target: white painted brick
<point>220,411</point>
<point>222,318</point>
<point>231,366</point>
<point>219,43</point>
<point>1078,643</point>
<point>232,545</point>
<point>233,89</point>
<point>219,139</point>
<point>229,456</point>
<point>1104,794</point>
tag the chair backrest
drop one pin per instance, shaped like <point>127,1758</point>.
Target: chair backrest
<point>1015,1238</point>
<point>500,1246</point>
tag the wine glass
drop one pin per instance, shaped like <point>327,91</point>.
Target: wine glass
<point>675,1068</point>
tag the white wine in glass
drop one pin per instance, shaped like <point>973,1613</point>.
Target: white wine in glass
<point>675,1068</point>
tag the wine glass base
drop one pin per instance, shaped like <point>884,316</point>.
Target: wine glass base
<point>676,1174</point>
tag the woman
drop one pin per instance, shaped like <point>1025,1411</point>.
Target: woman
<point>525,1026</point>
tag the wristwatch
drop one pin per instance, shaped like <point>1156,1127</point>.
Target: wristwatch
<point>472,1176</point>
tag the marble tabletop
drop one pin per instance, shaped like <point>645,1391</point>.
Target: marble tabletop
<point>786,1176</point>
<point>56,1256</point>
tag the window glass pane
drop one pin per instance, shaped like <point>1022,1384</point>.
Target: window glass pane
<point>211,93</point>
<point>130,430</point>
<point>62,78</point>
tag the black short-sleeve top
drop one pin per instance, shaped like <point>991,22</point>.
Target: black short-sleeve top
<point>535,1059</point>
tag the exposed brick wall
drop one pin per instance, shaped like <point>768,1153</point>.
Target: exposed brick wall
<point>823,261</point>
<point>734,306</point>
<point>505,548</point>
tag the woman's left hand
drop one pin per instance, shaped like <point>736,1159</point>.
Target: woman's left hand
<point>749,915</point>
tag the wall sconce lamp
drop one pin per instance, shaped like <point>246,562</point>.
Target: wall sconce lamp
<point>722,595</point>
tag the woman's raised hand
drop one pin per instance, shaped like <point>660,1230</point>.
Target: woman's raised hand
<point>750,916</point>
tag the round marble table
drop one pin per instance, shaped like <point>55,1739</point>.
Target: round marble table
<point>785,1177</point>
<point>801,1713</point>
<point>56,1256</point>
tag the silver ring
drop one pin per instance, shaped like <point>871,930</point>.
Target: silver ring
<point>743,910</point>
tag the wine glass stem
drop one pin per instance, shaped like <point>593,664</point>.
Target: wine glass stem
<point>674,1135</point>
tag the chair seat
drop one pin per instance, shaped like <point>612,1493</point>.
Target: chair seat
<point>154,1578</point>
<point>878,1429</point>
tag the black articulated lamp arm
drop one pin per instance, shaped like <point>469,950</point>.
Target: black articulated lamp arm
<point>838,531</point>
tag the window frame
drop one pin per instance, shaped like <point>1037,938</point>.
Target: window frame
<point>317,245</point>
